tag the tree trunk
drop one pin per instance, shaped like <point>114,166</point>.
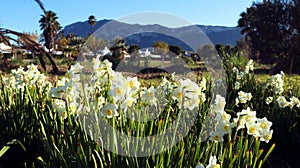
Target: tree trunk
<point>54,67</point>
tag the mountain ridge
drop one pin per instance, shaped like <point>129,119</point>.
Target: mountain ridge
<point>147,34</point>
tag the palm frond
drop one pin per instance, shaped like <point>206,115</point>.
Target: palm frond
<point>41,5</point>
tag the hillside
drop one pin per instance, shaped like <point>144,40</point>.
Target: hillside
<point>145,35</point>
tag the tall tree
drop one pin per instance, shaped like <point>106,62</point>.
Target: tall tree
<point>41,5</point>
<point>50,27</point>
<point>55,27</point>
<point>94,44</point>
<point>92,22</point>
<point>160,47</point>
<point>175,50</point>
<point>271,28</point>
<point>118,50</point>
<point>6,35</point>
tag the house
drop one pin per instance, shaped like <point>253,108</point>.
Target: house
<point>5,48</point>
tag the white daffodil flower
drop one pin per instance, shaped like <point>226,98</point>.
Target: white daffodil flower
<point>109,110</point>
<point>269,100</point>
<point>213,162</point>
<point>282,102</point>
<point>267,136</point>
<point>216,136</point>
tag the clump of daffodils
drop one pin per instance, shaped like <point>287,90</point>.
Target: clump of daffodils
<point>259,128</point>
<point>110,93</point>
<point>240,75</point>
<point>249,67</point>
<point>246,119</point>
<point>243,97</point>
<point>20,78</point>
<point>222,120</point>
<point>283,102</point>
<point>66,92</point>
<point>188,94</point>
<point>276,84</point>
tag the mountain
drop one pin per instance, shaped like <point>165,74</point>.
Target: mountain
<point>188,37</point>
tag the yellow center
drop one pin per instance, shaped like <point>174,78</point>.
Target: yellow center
<point>243,101</point>
<point>248,118</point>
<point>224,116</point>
<point>216,138</point>
<point>252,130</point>
<point>73,108</point>
<point>226,127</point>
<point>108,112</point>
<point>64,113</point>
<point>68,75</point>
<point>130,101</point>
<point>179,95</point>
<point>150,94</point>
<point>216,166</point>
<point>263,125</point>
<point>268,136</point>
<point>119,91</point>
<point>130,84</point>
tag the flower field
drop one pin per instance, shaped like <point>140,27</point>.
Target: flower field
<point>107,119</point>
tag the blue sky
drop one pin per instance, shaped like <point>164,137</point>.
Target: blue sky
<point>23,15</point>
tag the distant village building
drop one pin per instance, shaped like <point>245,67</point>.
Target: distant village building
<point>5,48</point>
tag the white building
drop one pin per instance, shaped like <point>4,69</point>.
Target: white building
<point>5,48</point>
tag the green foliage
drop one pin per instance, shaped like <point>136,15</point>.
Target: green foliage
<point>272,28</point>
<point>75,43</point>
<point>285,119</point>
<point>50,27</point>
<point>188,60</point>
<point>134,49</point>
<point>94,44</point>
<point>160,47</point>
<point>118,53</point>
<point>92,20</point>
<point>231,57</point>
<point>34,134</point>
<point>177,50</point>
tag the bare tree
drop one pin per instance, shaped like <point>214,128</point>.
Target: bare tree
<point>29,44</point>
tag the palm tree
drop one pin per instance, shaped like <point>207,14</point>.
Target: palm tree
<point>50,27</point>
<point>92,22</point>
<point>53,25</point>
<point>6,35</point>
